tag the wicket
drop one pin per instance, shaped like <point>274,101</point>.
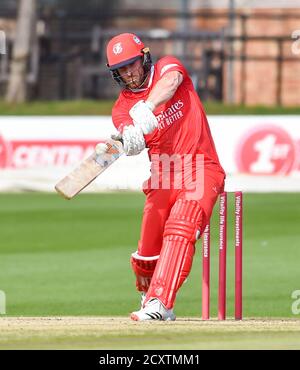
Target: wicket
<point>222,260</point>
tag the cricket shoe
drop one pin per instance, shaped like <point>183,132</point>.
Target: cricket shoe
<point>153,310</point>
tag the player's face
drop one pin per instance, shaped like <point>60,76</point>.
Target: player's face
<point>132,74</point>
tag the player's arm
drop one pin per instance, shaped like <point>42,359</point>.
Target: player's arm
<point>165,88</point>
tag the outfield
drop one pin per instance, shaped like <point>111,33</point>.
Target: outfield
<point>104,107</point>
<point>70,259</point>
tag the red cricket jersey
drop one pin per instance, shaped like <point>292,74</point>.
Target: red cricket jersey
<point>182,123</point>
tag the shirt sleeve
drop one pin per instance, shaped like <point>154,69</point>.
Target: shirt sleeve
<point>169,64</point>
<point>120,116</point>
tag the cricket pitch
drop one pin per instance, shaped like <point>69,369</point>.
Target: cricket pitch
<point>122,333</point>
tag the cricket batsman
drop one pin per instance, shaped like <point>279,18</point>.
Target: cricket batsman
<point>159,109</point>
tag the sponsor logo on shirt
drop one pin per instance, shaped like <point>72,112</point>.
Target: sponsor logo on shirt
<point>170,115</point>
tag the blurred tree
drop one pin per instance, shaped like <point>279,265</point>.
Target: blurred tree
<point>26,27</point>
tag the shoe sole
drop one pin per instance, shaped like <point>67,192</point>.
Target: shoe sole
<point>135,317</point>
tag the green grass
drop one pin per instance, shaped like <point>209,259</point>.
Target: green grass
<point>103,107</point>
<point>58,108</point>
<point>72,257</point>
<point>63,258</point>
<point>215,108</point>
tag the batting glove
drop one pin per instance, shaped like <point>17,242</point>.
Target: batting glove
<point>142,116</point>
<point>133,140</point>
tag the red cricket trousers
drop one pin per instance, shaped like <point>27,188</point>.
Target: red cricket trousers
<point>159,203</point>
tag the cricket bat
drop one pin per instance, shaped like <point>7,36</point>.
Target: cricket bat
<point>88,170</point>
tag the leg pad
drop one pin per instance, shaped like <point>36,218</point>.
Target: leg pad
<point>175,262</point>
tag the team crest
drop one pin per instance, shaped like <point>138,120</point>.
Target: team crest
<point>117,48</point>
